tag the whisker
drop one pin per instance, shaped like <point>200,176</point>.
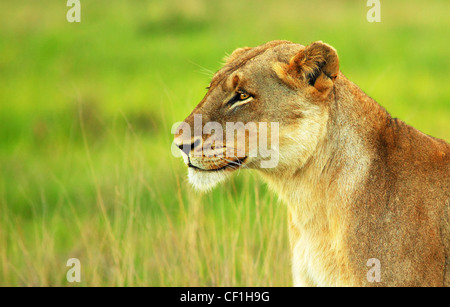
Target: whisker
<point>203,70</point>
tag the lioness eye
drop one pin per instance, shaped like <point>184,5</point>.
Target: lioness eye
<point>243,96</point>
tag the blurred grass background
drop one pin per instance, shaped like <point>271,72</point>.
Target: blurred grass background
<point>86,109</point>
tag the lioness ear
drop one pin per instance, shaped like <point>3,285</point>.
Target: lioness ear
<point>317,64</point>
<point>235,54</point>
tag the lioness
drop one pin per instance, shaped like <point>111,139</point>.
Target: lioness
<point>366,193</point>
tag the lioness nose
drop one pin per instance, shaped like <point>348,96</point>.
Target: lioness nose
<point>187,148</point>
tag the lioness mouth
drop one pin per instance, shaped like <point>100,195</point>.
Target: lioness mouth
<point>230,165</point>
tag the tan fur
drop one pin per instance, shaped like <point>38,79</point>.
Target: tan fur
<point>236,53</point>
<point>359,184</point>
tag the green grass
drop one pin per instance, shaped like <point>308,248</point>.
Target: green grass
<point>86,109</point>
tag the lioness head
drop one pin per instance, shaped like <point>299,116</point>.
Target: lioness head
<point>275,97</point>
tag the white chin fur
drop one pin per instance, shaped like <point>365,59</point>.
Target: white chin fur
<point>205,181</point>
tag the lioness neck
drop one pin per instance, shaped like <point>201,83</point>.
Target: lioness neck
<point>320,192</point>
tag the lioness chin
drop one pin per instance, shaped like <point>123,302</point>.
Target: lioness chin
<point>358,183</point>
